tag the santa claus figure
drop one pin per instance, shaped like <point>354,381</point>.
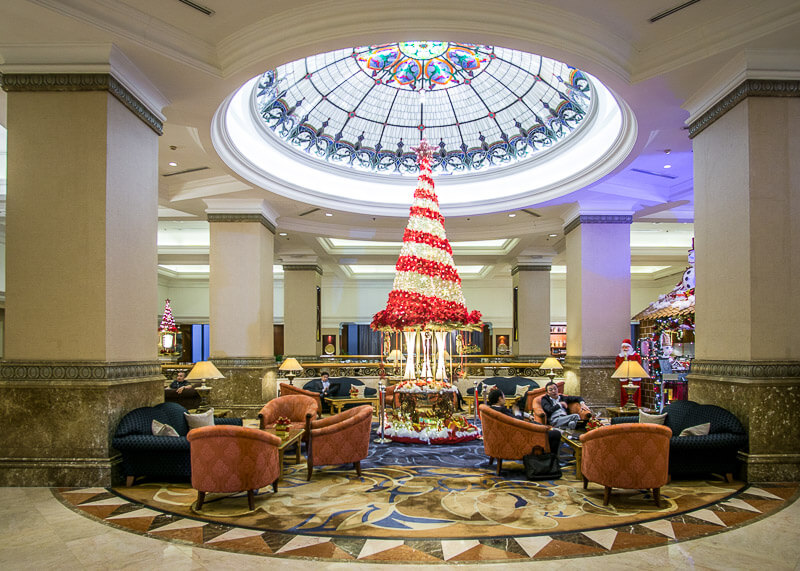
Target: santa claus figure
<point>627,353</point>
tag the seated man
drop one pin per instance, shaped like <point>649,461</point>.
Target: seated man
<point>555,407</point>
<point>180,382</point>
<point>326,391</point>
<point>497,400</point>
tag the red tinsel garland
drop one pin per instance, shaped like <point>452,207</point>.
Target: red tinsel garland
<point>425,238</point>
<point>428,268</point>
<point>424,194</point>
<point>409,309</point>
<point>426,213</point>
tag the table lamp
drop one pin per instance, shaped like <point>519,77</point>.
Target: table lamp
<point>630,370</point>
<point>291,367</point>
<point>202,371</point>
<point>551,363</point>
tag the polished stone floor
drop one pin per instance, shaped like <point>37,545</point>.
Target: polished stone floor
<point>41,533</point>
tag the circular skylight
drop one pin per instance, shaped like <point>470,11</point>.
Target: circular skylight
<point>336,130</point>
<point>484,107</point>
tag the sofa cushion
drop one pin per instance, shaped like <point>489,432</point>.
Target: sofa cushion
<point>200,419</point>
<point>521,391</point>
<point>161,429</point>
<point>699,430</point>
<point>645,418</point>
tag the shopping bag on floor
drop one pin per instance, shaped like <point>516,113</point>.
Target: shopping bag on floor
<point>541,465</point>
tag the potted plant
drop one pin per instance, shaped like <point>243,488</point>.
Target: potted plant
<point>282,426</point>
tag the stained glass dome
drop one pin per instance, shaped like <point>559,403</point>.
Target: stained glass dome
<point>483,107</point>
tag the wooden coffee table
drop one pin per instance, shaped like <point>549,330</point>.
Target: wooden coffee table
<point>337,403</point>
<point>293,436</point>
<point>572,438</point>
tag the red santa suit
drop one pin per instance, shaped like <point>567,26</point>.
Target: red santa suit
<point>628,353</point>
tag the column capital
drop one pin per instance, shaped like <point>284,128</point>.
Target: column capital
<point>526,267</point>
<point>750,73</point>
<point>302,268</point>
<point>93,67</point>
<point>597,219</point>
<point>241,210</point>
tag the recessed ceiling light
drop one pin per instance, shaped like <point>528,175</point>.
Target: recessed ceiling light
<point>281,233</point>
<point>667,166</point>
<point>328,214</point>
<point>173,164</point>
<point>511,215</point>
<point>552,235</point>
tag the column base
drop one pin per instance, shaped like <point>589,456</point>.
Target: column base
<point>590,377</point>
<point>58,418</point>
<point>248,384</point>
<point>765,397</point>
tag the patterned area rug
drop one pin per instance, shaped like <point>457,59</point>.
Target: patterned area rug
<point>437,504</point>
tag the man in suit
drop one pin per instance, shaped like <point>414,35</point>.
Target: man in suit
<point>555,407</point>
<point>497,400</point>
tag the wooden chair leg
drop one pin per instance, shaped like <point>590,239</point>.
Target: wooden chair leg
<point>585,483</point>
<point>129,481</point>
<point>357,466</point>
<point>251,500</point>
<point>606,496</point>
<point>499,465</point>
<point>310,470</point>
<point>201,497</point>
<point>491,460</point>
<point>275,485</point>
<point>657,496</point>
<point>729,477</point>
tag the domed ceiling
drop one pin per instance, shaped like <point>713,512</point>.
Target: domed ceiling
<point>340,126</point>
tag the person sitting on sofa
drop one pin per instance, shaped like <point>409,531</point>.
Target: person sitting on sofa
<point>180,382</point>
<point>555,407</point>
<point>497,400</point>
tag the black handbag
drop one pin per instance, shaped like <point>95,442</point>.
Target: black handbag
<point>541,465</point>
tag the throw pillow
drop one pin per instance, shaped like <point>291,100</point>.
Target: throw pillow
<point>161,429</point>
<point>200,419</point>
<point>699,430</point>
<point>521,391</point>
<point>645,418</point>
<point>361,389</point>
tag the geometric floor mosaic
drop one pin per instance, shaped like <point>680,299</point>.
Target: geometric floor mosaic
<point>728,512</point>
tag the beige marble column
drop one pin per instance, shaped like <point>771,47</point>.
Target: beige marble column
<point>241,254</point>
<point>598,303</point>
<point>81,344</point>
<point>747,244</point>
<point>531,283</point>
<point>302,334</point>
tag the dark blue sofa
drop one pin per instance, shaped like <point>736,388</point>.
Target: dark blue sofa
<point>714,453</point>
<point>164,457</point>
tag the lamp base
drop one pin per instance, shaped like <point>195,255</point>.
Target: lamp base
<point>291,378</point>
<point>630,389</point>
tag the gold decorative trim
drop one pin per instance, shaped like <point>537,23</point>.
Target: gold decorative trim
<point>244,362</point>
<point>590,362</point>
<point>597,219</point>
<point>756,370</point>
<point>78,370</point>
<point>302,268</point>
<point>530,268</point>
<point>748,88</point>
<point>242,217</point>
<point>29,82</point>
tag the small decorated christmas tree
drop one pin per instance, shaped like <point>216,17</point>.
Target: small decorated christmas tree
<point>167,322</point>
<point>427,288</point>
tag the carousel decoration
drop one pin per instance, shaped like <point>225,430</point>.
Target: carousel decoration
<point>426,302</point>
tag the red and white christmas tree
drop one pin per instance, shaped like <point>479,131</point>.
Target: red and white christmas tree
<point>427,288</point>
<point>167,322</point>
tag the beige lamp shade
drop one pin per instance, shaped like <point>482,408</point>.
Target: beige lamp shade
<point>290,364</point>
<point>395,355</point>
<point>203,370</point>
<point>551,363</point>
<point>630,370</point>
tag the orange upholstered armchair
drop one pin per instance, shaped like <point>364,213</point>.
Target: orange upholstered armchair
<point>339,439</point>
<point>229,459</point>
<point>293,407</point>
<point>536,404</point>
<point>287,389</point>
<point>630,456</point>
<point>508,438</point>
